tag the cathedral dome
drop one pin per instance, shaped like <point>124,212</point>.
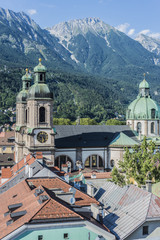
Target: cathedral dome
<point>39,91</point>
<point>143,108</point>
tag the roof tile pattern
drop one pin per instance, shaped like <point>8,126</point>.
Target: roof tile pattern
<point>21,193</point>
<point>82,199</point>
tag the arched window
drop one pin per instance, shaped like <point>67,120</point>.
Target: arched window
<point>42,114</point>
<point>152,127</point>
<point>153,113</point>
<point>63,159</point>
<point>138,127</point>
<point>112,163</point>
<point>94,161</point>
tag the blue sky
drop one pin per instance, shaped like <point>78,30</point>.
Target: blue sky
<point>130,16</point>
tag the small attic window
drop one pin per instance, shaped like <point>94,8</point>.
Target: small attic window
<point>40,237</point>
<point>65,236</point>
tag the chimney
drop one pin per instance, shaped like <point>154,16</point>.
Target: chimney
<point>90,189</point>
<point>96,211</point>
<point>143,187</point>
<point>26,168</point>
<point>149,185</point>
<point>30,174</point>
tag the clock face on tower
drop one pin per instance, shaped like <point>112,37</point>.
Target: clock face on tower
<point>42,137</point>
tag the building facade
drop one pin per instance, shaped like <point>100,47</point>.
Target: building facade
<point>34,121</point>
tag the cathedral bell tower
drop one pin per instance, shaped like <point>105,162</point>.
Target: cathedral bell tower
<point>39,134</point>
<point>21,116</point>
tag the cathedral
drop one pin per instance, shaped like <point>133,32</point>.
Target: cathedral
<point>93,146</point>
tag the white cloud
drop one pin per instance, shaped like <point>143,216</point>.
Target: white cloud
<point>123,27</point>
<point>32,11</point>
<point>131,32</point>
<point>145,31</point>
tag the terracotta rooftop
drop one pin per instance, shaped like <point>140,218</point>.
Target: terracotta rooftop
<point>98,175</point>
<point>81,198</point>
<point>29,204</point>
<point>7,138</point>
<point>18,167</point>
<point>6,173</point>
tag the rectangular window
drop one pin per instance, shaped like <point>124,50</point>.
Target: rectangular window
<point>40,237</point>
<point>65,235</point>
<point>145,230</point>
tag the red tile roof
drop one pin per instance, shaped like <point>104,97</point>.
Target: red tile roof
<point>81,198</point>
<point>18,167</point>
<point>6,173</point>
<point>4,136</point>
<point>98,175</point>
<point>21,193</point>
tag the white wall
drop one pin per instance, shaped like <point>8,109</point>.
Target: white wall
<point>138,233</point>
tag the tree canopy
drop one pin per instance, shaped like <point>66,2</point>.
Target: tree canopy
<point>140,163</point>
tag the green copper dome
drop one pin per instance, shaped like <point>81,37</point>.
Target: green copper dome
<point>143,108</point>
<point>39,91</point>
<point>27,76</point>
<point>40,67</point>
<point>144,84</point>
<point>22,96</point>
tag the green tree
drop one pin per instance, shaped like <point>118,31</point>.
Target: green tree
<point>115,122</point>
<point>117,177</point>
<point>62,121</point>
<point>141,163</point>
<point>85,121</point>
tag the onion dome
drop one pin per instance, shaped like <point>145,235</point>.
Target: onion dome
<point>144,84</point>
<point>40,67</point>
<point>23,94</point>
<point>40,89</point>
<point>143,107</point>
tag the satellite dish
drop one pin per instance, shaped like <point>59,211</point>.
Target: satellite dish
<point>72,200</point>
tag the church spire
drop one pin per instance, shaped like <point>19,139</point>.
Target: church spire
<point>144,88</point>
<point>40,73</point>
<point>26,79</point>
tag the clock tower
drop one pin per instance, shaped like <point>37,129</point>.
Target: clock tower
<point>38,134</point>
